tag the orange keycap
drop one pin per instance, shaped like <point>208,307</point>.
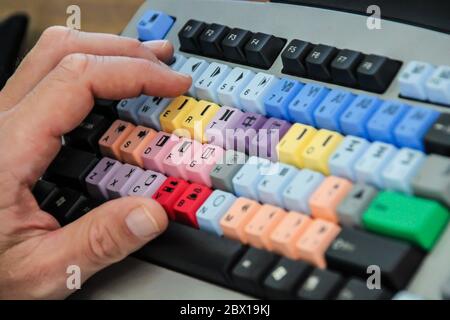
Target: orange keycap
<point>262,224</point>
<point>135,144</point>
<point>237,217</point>
<point>330,193</point>
<point>313,244</point>
<point>112,140</point>
<point>284,237</point>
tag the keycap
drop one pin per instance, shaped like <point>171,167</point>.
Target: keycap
<point>244,131</point>
<point>278,100</point>
<point>87,134</point>
<point>64,202</point>
<point>176,112</point>
<point>207,84</point>
<point>343,67</point>
<point>150,111</point>
<point>406,295</point>
<point>250,271</point>
<point>135,144</point>
<point>157,150</point>
<point>351,209</point>
<point>320,285</point>
<point>266,140</point>
<point>226,118</point>
<point>446,290</point>
<point>293,143</point>
<point>329,111</point>
<point>197,120</point>
<point>413,78</point>
<point>147,184</point>
<point>127,109</point>
<point>252,172</point>
<point>170,191</point>
<point>375,73</point>
<point>114,137</point>
<point>122,181</point>
<point>233,45</point>
<point>211,39</point>
<point>189,36</point>
<point>185,208</point>
<point>417,220</point>
<point>284,278</point>
<point>297,193</point>
<point>253,95</point>
<point>433,179</point>
<point>193,67</point>
<point>317,153</point>
<point>80,210</point>
<point>154,25</point>
<point>318,60</point>
<point>230,89</point>
<point>356,289</point>
<point>177,61</point>
<point>222,173</point>
<point>179,157</point>
<point>212,211</point>
<point>301,109</point>
<point>381,125</point>
<point>100,176</point>
<point>293,57</point>
<point>354,119</point>
<point>106,108</point>
<point>271,187</point>
<point>437,139</point>
<point>204,160</point>
<point>43,190</point>
<point>438,85</point>
<point>353,251</point>
<point>263,49</point>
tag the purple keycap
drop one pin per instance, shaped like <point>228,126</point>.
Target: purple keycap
<point>265,142</point>
<point>246,128</point>
<point>226,118</point>
<point>97,179</point>
<point>147,184</point>
<point>122,181</point>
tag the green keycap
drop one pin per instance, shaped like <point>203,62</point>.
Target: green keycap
<point>416,220</point>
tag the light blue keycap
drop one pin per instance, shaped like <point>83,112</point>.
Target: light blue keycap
<point>253,95</point>
<point>301,109</point>
<point>401,170</point>
<point>411,130</point>
<point>150,111</point>
<point>154,25</point>
<point>212,210</point>
<point>406,295</point>
<point>271,187</point>
<point>230,89</point>
<point>342,161</point>
<point>381,125</point>
<point>193,67</point>
<point>128,109</point>
<point>353,121</point>
<point>413,78</point>
<point>207,84</point>
<point>277,101</point>
<point>438,85</point>
<point>247,178</point>
<point>369,167</point>
<point>329,111</point>
<point>178,61</point>
<point>297,193</point>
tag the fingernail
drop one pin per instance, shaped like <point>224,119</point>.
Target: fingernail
<point>142,224</point>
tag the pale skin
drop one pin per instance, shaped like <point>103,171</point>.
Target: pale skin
<point>51,92</point>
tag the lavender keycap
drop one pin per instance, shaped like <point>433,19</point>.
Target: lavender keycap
<point>264,143</point>
<point>97,179</point>
<point>246,128</point>
<point>226,119</point>
<point>122,181</point>
<point>147,184</point>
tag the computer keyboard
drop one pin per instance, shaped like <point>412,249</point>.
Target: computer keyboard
<point>296,163</point>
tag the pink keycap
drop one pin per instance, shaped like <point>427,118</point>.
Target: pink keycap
<point>154,154</point>
<point>200,167</point>
<point>147,184</point>
<point>181,155</point>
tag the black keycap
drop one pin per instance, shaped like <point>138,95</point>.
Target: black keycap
<point>262,50</point>
<point>249,273</point>
<point>354,250</point>
<point>42,190</point>
<point>70,168</point>
<point>318,62</point>
<point>80,210</point>
<point>294,57</point>
<point>87,134</point>
<point>320,285</point>
<point>65,202</point>
<point>284,278</point>
<point>343,67</point>
<point>211,40</point>
<point>189,36</point>
<point>106,108</point>
<point>233,45</point>
<point>375,73</point>
<point>356,289</point>
<point>195,253</point>
<point>437,139</point>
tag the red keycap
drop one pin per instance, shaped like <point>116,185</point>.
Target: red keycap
<point>187,205</point>
<point>169,192</point>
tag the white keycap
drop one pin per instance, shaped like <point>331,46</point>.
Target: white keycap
<point>178,61</point>
<point>193,67</point>
<point>413,78</point>
<point>248,177</point>
<point>230,89</point>
<point>207,84</point>
<point>252,97</point>
<point>399,173</point>
<point>150,111</point>
<point>438,85</point>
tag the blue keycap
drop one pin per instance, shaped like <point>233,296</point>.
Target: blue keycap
<point>128,109</point>
<point>383,122</point>
<point>331,108</point>
<point>154,25</point>
<point>411,130</point>
<point>353,120</point>
<point>277,101</point>
<point>248,177</point>
<point>212,210</point>
<point>271,187</point>
<point>301,109</point>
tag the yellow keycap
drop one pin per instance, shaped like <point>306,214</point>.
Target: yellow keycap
<point>194,124</point>
<point>318,151</point>
<point>172,117</point>
<point>293,143</point>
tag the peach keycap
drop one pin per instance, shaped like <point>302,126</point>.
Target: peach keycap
<point>234,221</point>
<point>265,220</point>
<point>200,167</point>
<point>135,144</point>
<point>313,244</point>
<point>155,152</point>
<point>181,154</point>
<point>113,139</point>
<point>330,193</point>
<point>287,232</point>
